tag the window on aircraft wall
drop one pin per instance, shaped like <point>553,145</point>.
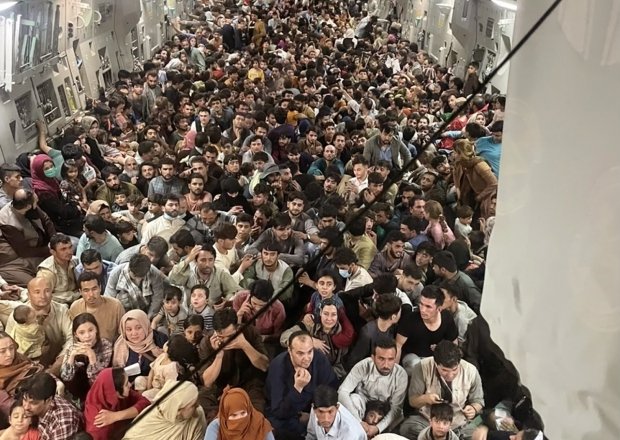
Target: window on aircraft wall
<point>490,26</point>
<point>465,8</point>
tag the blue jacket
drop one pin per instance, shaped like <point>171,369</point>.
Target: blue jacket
<point>284,403</point>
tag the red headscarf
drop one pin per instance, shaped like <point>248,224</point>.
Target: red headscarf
<point>103,395</point>
<point>254,426</point>
<point>40,183</point>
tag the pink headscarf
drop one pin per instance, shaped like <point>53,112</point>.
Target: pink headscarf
<point>40,183</point>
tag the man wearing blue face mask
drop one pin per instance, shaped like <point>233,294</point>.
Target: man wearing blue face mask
<point>167,224</point>
<point>354,274</point>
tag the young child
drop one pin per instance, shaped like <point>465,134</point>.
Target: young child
<point>132,214</point>
<point>171,313</point>
<point>199,305</point>
<point>462,224</point>
<point>126,234</point>
<point>20,424</point>
<point>155,207</point>
<point>120,202</point>
<point>29,335</point>
<point>194,329</point>
<point>325,287</point>
<point>441,419</point>
<point>375,412</point>
<point>70,186</point>
<point>178,357</point>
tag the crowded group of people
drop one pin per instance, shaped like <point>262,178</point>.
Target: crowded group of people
<point>302,159</point>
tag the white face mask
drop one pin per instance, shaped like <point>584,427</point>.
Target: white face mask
<point>344,273</point>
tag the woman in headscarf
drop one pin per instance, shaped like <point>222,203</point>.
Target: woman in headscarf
<point>100,155</point>
<point>23,162</point>
<point>138,344</point>
<point>111,404</point>
<point>475,183</point>
<point>177,416</point>
<point>101,207</point>
<point>14,369</point>
<point>238,419</point>
<point>65,214</point>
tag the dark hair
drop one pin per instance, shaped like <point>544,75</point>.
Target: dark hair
<point>433,292</point>
<point>330,274</point>
<point>172,197</point>
<point>442,412</point>
<point>385,283</point>
<point>108,171</point>
<point>20,314</point>
<point>207,247</point>
<point>384,342</point>
<point>87,276</point>
<point>445,260</point>
<point>357,227</point>
<point>387,305</point>
<point>183,238</point>
<point>395,236</point>
<point>171,292</point>
<point>297,195</point>
<point>83,318</point>
<point>270,246</point>
<point>123,227</point>
<point>377,406</point>
<point>226,231</point>
<point>260,156</point>
<point>167,161</point>
<point>325,397</point>
<point>413,223</point>
<point>139,265</point>
<point>158,245</point>
<point>41,386</point>
<point>333,235</point>
<point>282,219</point>
<point>345,255</point>
<point>262,290</point>
<point>447,354</point>
<point>194,320</point>
<point>118,378</point>
<point>464,211</point>
<point>57,239</point>
<point>6,170</point>
<point>328,210</point>
<point>428,247</point>
<point>245,218</point>
<point>375,178</point>
<point>413,272</point>
<point>95,223</point>
<point>183,352</point>
<point>200,287</point>
<point>223,318</point>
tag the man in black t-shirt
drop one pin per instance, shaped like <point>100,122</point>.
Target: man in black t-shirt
<point>417,336</point>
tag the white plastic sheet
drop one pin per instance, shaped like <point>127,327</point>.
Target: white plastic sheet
<point>552,295</point>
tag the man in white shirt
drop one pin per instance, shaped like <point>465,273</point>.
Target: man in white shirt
<point>376,378</point>
<point>354,274</point>
<point>167,224</point>
<point>330,420</point>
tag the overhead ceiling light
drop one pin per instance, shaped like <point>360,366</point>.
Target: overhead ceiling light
<point>4,5</point>
<point>506,4</point>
